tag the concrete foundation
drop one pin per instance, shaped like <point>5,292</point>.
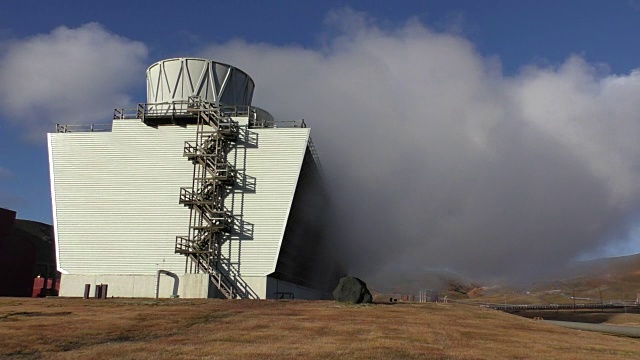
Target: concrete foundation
<point>188,285</point>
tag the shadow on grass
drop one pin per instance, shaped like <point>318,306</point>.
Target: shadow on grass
<point>208,318</point>
<point>23,355</point>
<point>12,316</point>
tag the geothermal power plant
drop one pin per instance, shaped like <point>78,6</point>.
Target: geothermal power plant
<point>194,194</point>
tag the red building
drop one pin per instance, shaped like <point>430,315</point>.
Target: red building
<point>26,253</point>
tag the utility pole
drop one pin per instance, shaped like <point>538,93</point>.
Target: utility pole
<point>601,303</point>
<point>573,290</point>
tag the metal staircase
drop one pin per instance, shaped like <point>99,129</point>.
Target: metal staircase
<point>213,177</point>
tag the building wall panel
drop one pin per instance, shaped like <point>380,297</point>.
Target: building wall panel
<point>116,197</point>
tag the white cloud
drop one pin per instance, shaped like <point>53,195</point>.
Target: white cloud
<point>435,157</point>
<point>440,160</point>
<point>68,76</point>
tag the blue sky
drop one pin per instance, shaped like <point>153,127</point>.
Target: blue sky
<point>519,32</point>
<point>510,37</point>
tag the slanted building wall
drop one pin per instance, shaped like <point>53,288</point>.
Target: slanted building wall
<point>115,201</point>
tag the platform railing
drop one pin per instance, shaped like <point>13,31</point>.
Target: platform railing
<point>60,128</point>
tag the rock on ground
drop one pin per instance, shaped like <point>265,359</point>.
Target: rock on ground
<point>353,290</point>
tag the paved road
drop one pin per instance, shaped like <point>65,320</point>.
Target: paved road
<point>558,307</point>
<point>631,331</point>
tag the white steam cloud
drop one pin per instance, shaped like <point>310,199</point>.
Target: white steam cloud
<point>438,160</point>
<point>69,76</point>
<point>435,157</point>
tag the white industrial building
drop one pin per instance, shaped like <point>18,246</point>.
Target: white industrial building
<point>193,194</point>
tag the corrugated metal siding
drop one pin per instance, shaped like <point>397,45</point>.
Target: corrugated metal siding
<point>117,205</point>
<point>275,165</point>
<point>117,193</point>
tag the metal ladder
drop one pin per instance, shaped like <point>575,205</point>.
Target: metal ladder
<point>213,177</point>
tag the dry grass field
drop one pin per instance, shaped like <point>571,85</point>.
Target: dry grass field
<point>56,328</point>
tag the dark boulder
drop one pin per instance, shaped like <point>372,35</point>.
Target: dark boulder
<point>353,290</point>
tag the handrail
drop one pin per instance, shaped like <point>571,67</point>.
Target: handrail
<point>215,275</point>
<point>314,153</point>
<point>288,124</point>
<point>257,116</point>
<point>60,128</point>
<point>237,278</point>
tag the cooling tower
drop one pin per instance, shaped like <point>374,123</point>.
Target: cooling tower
<point>171,82</point>
<point>195,193</point>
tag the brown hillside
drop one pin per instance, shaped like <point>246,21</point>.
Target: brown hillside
<point>613,279</point>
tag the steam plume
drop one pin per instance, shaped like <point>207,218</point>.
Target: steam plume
<point>436,159</point>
